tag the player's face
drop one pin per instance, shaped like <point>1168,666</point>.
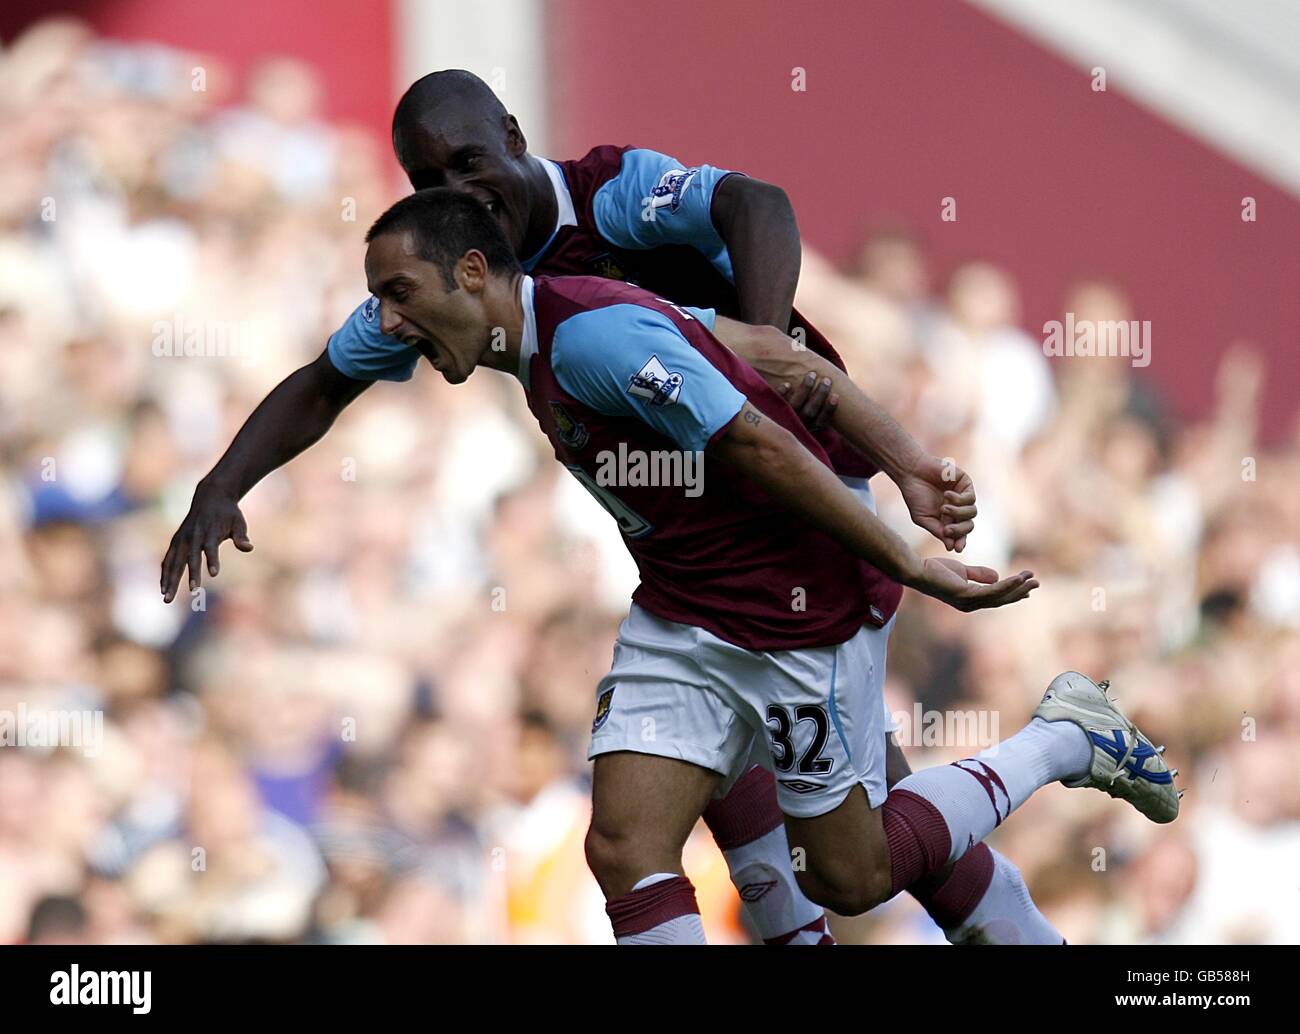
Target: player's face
<point>415,306</point>
<point>479,156</point>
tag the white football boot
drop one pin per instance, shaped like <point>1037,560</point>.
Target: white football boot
<point>1124,763</point>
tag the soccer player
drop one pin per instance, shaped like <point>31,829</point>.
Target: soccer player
<point>712,652</point>
<point>696,236</point>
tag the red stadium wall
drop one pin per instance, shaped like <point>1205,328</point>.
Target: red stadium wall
<point>907,103</point>
<point>350,44</point>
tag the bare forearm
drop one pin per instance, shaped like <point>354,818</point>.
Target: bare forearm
<point>293,417</point>
<point>295,414</point>
<point>869,427</point>
<point>773,458</point>
<point>859,418</point>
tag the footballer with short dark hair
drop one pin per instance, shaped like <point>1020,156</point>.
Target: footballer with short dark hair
<point>697,235</point>
<point>712,655</point>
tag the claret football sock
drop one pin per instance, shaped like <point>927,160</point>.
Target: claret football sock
<point>950,903</point>
<point>750,830</point>
<point>1006,914</point>
<point>934,816</point>
<point>660,909</point>
<point>984,900</point>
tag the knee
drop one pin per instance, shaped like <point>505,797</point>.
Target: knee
<point>605,852</point>
<point>847,890</point>
<point>617,859</point>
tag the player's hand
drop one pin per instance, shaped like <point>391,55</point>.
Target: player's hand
<point>941,499</point>
<point>214,517</point>
<point>972,588</point>
<point>812,399</point>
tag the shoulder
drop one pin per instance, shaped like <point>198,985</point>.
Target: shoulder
<point>596,326</point>
<point>599,165</point>
<point>640,167</point>
<point>561,296</point>
<point>608,327</point>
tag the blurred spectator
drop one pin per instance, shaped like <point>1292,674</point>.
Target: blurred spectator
<point>373,728</point>
<point>58,920</point>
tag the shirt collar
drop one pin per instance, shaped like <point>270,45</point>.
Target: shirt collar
<point>565,213</point>
<point>528,342</point>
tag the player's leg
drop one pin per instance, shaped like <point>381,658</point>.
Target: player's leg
<point>643,809</point>
<point>858,856</point>
<point>897,768</point>
<point>933,817</point>
<point>824,746</point>
<point>981,896</point>
<point>930,819</point>
<point>979,899</point>
<point>750,831</point>
<point>662,742</point>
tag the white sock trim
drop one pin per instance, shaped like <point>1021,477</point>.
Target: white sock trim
<point>651,880</point>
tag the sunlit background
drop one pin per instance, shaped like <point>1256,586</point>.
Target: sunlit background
<point>343,739</point>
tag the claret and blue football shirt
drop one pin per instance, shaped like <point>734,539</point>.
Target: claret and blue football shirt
<point>614,373</point>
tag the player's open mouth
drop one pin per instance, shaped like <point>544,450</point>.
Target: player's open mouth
<point>421,344</point>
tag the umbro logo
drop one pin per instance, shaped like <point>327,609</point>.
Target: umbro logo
<point>752,892</point>
<point>802,785</point>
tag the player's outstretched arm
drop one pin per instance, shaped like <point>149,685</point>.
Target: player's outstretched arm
<point>295,415</point>
<point>775,460</point>
<point>939,495</point>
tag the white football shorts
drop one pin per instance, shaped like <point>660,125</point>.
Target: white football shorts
<point>815,717</point>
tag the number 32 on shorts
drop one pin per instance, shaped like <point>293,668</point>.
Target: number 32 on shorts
<point>781,728</point>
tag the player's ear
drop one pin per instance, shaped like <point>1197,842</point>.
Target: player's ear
<point>472,271</point>
<point>516,143</point>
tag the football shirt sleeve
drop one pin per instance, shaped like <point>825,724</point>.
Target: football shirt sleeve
<point>631,361</point>
<point>360,350</point>
<point>655,200</point>
<point>707,317</point>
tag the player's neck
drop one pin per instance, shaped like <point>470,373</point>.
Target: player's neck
<point>542,208</point>
<point>505,311</point>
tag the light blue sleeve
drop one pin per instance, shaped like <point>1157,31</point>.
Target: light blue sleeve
<point>630,361</point>
<point>360,350</point>
<point>655,200</point>
<point>708,317</point>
